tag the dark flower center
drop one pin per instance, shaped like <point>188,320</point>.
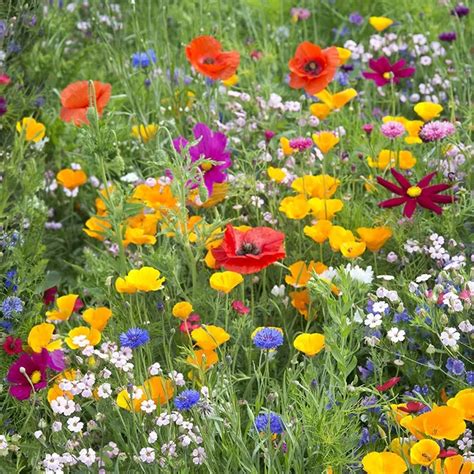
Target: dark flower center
<point>209,61</point>
<point>248,249</point>
<point>312,67</point>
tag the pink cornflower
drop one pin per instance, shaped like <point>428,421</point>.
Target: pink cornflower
<point>301,143</point>
<point>392,129</point>
<point>300,13</point>
<point>436,130</point>
<point>193,322</point>
<point>240,307</point>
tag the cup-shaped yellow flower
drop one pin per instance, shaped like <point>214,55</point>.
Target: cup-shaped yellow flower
<point>285,146</point>
<point>325,209</point>
<point>145,279</point>
<point>276,174</point>
<point>295,207</point>
<point>424,452</point>
<point>375,237</point>
<point>65,305</point>
<point>145,132</point>
<point>301,273</point>
<point>97,228</point>
<point>453,465</point>
<point>33,131</point>
<point>82,336</point>
<point>325,141</point>
<point>202,359</point>
<point>138,236</point>
<point>464,402</point>
<point>428,110</point>
<point>383,463</point>
<point>182,310</point>
<point>225,281</point>
<point>319,232</point>
<point>338,235</point>
<point>71,179</point>
<point>344,55</point>
<point>380,23</point>
<point>209,337</point>
<point>330,102</point>
<point>41,337</point>
<point>321,186</point>
<point>352,249</point>
<point>97,318</point>
<point>158,389</point>
<point>232,81</point>
<point>309,343</point>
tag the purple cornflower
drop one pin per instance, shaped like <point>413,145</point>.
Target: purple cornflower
<point>11,306</point>
<point>367,371</point>
<point>186,399</point>
<point>143,59</point>
<point>368,128</point>
<point>301,143</point>
<point>272,422</point>
<point>470,377</point>
<point>447,36</point>
<point>436,130</point>
<point>455,366</point>
<point>356,18</point>
<point>3,106</point>
<point>392,129</point>
<point>211,147</point>
<point>268,338</point>
<point>460,10</point>
<point>134,337</point>
<point>300,13</point>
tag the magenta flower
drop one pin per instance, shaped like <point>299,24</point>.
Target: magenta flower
<point>436,130</point>
<point>392,129</point>
<point>386,72</point>
<point>412,195</point>
<point>212,147</point>
<point>28,372</point>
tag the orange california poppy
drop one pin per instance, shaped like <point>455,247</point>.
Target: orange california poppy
<point>313,68</point>
<point>205,55</point>
<point>75,101</point>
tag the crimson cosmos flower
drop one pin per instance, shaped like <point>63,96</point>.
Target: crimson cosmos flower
<point>249,251</point>
<point>384,72</point>
<point>412,195</point>
<point>413,407</point>
<point>388,384</point>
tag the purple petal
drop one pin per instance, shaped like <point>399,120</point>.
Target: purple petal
<point>21,392</point>
<point>56,361</point>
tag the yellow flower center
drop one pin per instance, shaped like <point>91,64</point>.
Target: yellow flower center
<point>206,165</point>
<point>35,376</point>
<point>414,191</point>
<point>388,75</point>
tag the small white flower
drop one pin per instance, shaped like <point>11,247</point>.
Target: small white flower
<point>155,369</point>
<point>422,278</point>
<point>278,291</point>
<point>450,337</point>
<point>147,455</point>
<point>87,456</point>
<point>38,434</point>
<point>396,335</point>
<point>373,320</point>
<point>148,406</point>
<point>56,426</point>
<point>466,326</point>
<point>152,437</point>
<point>75,424</point>
<point>379,307</point>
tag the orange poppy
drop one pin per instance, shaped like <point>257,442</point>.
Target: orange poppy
<point>75,101</point>
<point>313,68</point>
<point>206,56</point>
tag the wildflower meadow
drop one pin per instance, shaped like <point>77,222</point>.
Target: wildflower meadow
<point>236,236</point>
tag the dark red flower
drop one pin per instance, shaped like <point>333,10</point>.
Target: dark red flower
<point>49,295</point>
<point>78,305</point>
<point>193,322</point>
<point>12,345</point>
<point>239,307</point>
<point>388,384</point>
<point>413,407</point>
<point>384,72</point>
<point>420,194</point>
<point>249,251</point>
<point>447,453</point>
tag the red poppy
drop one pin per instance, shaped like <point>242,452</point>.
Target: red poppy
<point>206,56</point>
<point>249,251</point>
<point>313,68</point>
<point>419,194</point>
<point>388,384</point>
<point>75,101</point>
<point>413,407</point>
<point>12,345</point>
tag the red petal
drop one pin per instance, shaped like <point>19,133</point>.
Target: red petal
<point>410,207</point>
<point>404,183</point>
<point>393,202</point>
<point>390,186</point>
<point>426,180</point>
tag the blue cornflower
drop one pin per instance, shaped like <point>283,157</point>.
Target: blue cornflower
<point>402,317</point>
<point>470,377</point>
<point>268,338</point>
<point>272,422</point>
<point>356,18</point>
<point>455,366</point>
<point>10,279</point>
<point>134,337</point>
<point>367,371</point>
<point>11,306</point>
<point>143,59</point>
<point>186,399</point>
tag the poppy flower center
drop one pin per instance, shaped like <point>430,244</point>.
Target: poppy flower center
<point>35,376</point>
<point>248,249</point>
<point>388,75</point>
<point>414,191</point>
<point>313,68</point>
<point>209,61</point>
